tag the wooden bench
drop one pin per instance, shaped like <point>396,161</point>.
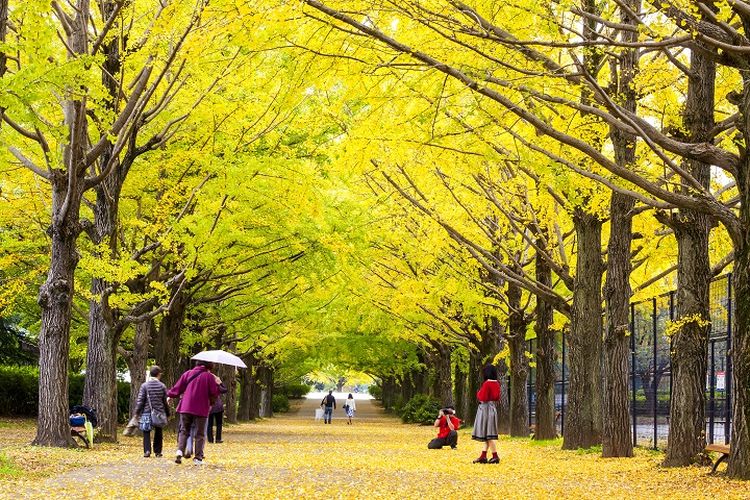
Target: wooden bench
<point>718,448</point>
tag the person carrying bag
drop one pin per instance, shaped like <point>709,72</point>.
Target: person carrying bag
<point>153,392</point>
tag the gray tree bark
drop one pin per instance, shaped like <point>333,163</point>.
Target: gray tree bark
<point>583,419</point>
<point>545,355</point>
<point>519,364</point>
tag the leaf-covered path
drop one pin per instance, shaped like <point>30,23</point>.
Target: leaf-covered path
<point>295,457</point>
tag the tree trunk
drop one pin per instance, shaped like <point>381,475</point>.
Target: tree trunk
<point>503,406</point>
<point>689,350</point>
<point>519,364</point>
<point>249,390</point>
<point>617,440</point>
<point>408,387</point>
<point>690,342</point>
<point>138,360</point>
<point>739,458</point>
<point>473,382</point>
<point>3,35</point>
<point>167,341</point>
<point>545,356</point>
<point>583,420</point>
<point>420,381</point>
<point>56,294</point>
<point>443,379</point>
<point>265,376</point>
<point>55,299</point>
<point>461,392</point>
<point>229,378</point>
<point>100,386</point>
<point>616,432</point>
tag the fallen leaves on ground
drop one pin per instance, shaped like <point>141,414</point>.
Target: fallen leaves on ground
<point>375,458</point>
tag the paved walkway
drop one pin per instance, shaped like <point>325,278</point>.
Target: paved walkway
<point>367,409</point>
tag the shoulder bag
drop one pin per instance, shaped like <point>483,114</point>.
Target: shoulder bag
<point>157,418</point>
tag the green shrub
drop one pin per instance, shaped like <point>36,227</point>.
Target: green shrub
<point>123,401</point>
<point>7,468</point>
<point>280,403</point>
<point>19,392</point>
<point>375,391</point>
<point>421,409</point>
<point>294,391</point>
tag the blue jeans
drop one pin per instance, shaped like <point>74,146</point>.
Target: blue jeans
<point>327,414</point>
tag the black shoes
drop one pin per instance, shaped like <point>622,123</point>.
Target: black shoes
<point>479,461</point>
<point>493,460</point>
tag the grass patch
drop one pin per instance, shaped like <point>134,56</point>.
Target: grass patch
<point>7,469</point>
<point>557,442</point>
<point>588,451</point>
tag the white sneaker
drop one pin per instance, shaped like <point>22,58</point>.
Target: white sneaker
<point>197,461</point>
<point>178,457</point>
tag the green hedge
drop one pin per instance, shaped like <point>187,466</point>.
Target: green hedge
<point>280,403</point>
<point>19,392</point>
<point>293,391</point>
<point>375,391</point>
<point>421,409</point>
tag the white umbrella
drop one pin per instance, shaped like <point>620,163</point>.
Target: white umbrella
<point>220,357</point>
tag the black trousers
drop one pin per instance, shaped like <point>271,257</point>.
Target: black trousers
<point>450,440</point>
<point>158,440</point>
<point>217,418</point>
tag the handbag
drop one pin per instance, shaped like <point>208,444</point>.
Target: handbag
<point>145,422</point>
<point>156,418</point>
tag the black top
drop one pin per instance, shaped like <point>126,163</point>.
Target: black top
<point>329,401</point>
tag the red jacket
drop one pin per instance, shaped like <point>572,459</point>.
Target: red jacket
<point>198,389</point>
<point>490,391</point>
<point>443,429</point>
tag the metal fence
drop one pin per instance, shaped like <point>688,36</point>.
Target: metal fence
<point>650,368</point>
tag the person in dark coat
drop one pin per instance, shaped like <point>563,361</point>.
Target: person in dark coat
<point>216,416</point>
<point>328,404</point>
<point>199,390</point>
<point>152,396</point>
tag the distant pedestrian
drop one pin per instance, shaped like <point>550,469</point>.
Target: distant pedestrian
<point>152,399</point>
<point>328,404</point>
<point>199,390</point>
<point>216,417</point>
<point>485,423</point>
<point>350,407</point>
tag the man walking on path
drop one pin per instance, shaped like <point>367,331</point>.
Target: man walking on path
<point>329,404</point>
<point>199,389</point>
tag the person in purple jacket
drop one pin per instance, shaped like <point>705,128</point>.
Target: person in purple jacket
<point>199,390</point>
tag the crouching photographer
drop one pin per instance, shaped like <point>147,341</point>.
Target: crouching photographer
<point>447,424</point>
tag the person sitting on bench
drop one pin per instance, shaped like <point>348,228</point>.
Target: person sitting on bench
<point>447,424</point>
